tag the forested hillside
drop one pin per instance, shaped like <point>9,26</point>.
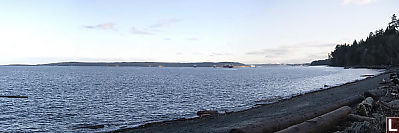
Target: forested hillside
<point>379,48</point>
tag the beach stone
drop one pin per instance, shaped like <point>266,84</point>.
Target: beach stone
<point>395,81</point>
<point>384,81</point>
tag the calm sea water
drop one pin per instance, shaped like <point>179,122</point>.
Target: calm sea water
<point>65,98</point>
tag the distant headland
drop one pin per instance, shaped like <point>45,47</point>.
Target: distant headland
<point>159,64</point>
<point>148,64</point>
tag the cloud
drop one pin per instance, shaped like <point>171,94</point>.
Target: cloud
<point>146,30</point>
<point>220,54</point>
<point>193,39</point>
<point>164,23</point>
<point>152,29</point>
<point>269,52</point>
<point>103,26</point>
<point>358,2</point>
<point>289,48</point>
<point>297,53</point>
<point>134,30</point>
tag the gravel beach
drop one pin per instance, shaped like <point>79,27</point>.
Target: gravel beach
<point>295,106</point>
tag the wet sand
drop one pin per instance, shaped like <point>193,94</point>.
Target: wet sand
<point>294,106</point>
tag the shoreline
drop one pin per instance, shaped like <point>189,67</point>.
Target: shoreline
<point>234,119</point>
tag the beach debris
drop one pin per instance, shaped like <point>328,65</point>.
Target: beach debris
<point>360,127</point>
<point>380,122</point>
<point>15,96</point>
<point>274,125</point>
<point>395,81</point>
<point>385,99</point>
<point>365,107</point>
<point>320,123</point>
<point>360,118</point>
<point>386,105</point>
<point>90,126</point>
<point>383,87</point>
<point>270,100</point>
<point>366,75</point>
<point>207,113</point>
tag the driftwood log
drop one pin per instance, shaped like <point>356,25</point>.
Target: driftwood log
<point>360,118</point>
<point>207,113</point>
<point>91,126</point>
<point>375,93</point>
<point>319,124</point>
<point>277,124</point>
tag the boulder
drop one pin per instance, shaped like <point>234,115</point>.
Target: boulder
<point>364,108</point>
<point>394,103</point>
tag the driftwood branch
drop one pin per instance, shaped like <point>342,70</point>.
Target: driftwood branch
<point>15,96</point>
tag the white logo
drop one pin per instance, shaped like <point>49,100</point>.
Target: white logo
<point>390,126</point>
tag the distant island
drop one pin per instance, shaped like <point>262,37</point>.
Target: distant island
<point>148,64</point>
<point>160,64</point>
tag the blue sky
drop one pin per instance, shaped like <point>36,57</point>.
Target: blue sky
<point>248,31</point>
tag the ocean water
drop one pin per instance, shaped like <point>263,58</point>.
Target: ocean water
<point>62,99</point>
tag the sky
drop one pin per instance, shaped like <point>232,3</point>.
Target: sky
<point>247,31</point>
